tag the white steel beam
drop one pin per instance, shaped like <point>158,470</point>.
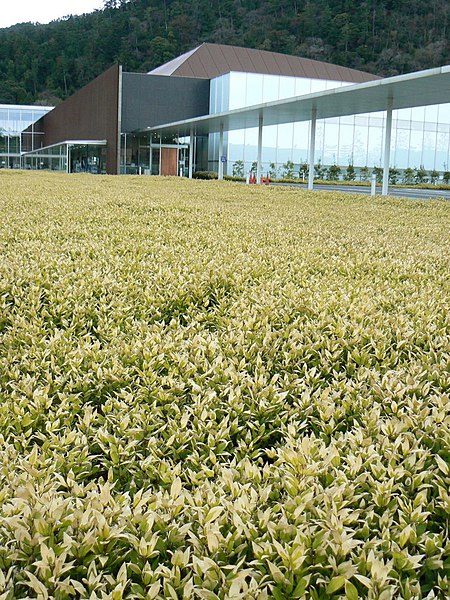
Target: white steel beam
<point>259,158</point>
<point>387,147</point>
<point>150,158</point>
<point>191,151</point>
<point>220,169</point>
<point>312,148</point>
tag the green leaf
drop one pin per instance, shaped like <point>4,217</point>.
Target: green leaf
<point>278,594</point>
<point>175,488</point>
<point>335,584</point>
<point>350,591</point>
<point>300,588</point>
<point>442,465</point>
<point>214,513</point>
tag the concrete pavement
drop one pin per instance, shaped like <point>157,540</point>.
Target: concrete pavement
<point>412,193</point>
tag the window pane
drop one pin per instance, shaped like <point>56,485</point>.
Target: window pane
<point>374,154</point>
<point>238,86</point>
<point>361,138</point>
<point>254,89</point>
<point>331,140</point>
<point>271,84</point>
<point>302,86</point>
<point>287,87</point>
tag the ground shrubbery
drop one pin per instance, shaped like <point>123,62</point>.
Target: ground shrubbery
<point>217,391</point>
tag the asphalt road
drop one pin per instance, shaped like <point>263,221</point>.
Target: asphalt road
<point>413,193</point>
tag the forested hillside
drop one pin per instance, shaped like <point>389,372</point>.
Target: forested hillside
<point>46,63</point>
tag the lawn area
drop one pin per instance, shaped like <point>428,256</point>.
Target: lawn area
<point>211,390</point>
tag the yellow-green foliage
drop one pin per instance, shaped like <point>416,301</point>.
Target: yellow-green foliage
<point>216,391</point>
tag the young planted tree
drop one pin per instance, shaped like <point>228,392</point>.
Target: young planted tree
<point>303,171</point>
<point>333,173</point>
<point>379,173</point>
<point>273,170</point>
<point>350,173</point>
<point>288,170</point>
<point>319,170</point>
<point>434,176</point>
<point>420,175</point>
<point>364,173</point>
<point>238,168</point>
<point>393,175</point>
<point>408,176</point>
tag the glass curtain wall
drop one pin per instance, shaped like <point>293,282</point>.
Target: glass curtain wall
<point>52,159</point>
<point>140,153</point>
<point>14,119</point>
<point>86,158</point>
<point>420,136</point>
<point>68,158</point>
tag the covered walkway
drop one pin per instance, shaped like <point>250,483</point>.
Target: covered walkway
<point>423,88</point>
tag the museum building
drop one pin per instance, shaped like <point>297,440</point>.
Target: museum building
<point>108,126</point>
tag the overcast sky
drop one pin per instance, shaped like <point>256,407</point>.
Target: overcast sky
<point>43,11</point>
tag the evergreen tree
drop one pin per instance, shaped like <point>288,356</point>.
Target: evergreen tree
<point>58,58</point>
<point>364,174</point>
<point>393,175</point>
<point>334,173</point>
<point>408,176</point>
<point>288,170</point>
<point>350,173</point>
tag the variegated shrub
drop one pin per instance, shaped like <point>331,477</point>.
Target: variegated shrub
<point>215,391</point>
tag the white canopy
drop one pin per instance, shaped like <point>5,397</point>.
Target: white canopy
<point>405,91</point>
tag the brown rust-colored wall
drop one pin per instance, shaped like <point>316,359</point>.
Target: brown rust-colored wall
<point>92,113</point>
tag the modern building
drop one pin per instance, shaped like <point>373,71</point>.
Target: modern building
<point>115,123</point>
<point>93,129</point>
<point>14,119</point>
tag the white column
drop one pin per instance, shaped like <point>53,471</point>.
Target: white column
<point>312,148</point>
<point>220,169</point>
<point>258,161</point>
<point>191,151</point>
<point>387,148</point>
<point>150,158</point>
<point>160,153</point>
<point>125,154</point>
<point>373,185</point>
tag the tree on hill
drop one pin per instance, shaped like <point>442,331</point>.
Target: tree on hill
<point>386,37</point>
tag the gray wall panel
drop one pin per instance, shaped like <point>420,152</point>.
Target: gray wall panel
<point>156,99</point>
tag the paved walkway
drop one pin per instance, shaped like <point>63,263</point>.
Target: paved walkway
<point>413,193</point>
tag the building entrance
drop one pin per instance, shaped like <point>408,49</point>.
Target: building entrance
<point>169,161</point>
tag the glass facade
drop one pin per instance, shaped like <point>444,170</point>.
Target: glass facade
<point>140,154</point>
<point>69,157</point>
<point>420,136</point>
<point>13,120</point>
